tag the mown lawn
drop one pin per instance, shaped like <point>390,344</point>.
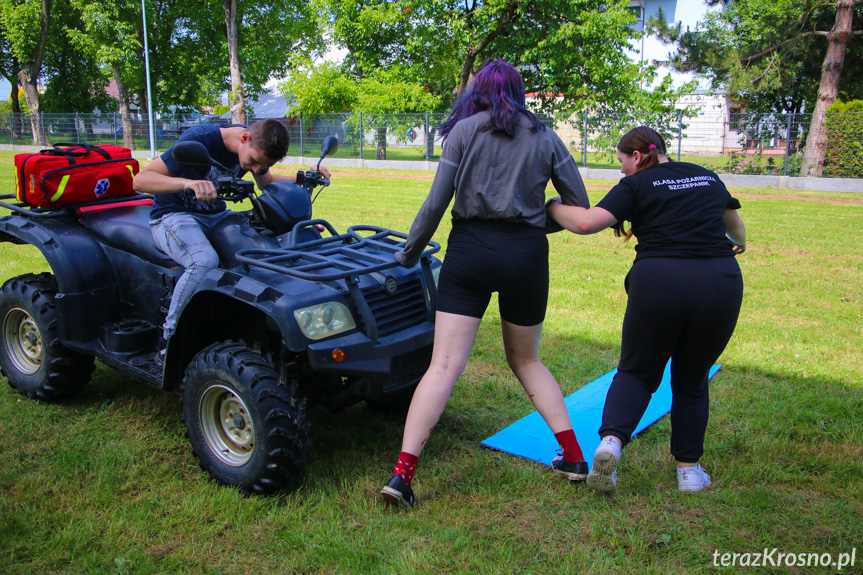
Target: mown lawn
<point>107,483</point>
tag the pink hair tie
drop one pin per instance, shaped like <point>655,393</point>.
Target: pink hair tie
<point>651,147</point>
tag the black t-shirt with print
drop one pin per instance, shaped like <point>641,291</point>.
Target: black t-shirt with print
<point>676,210</point>
<point>210,135</point>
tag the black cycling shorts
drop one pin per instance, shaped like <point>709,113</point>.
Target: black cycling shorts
<point>485,256</point>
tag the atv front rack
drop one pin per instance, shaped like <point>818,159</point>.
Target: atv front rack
<point>333,258</point>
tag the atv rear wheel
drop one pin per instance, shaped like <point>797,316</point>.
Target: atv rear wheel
<point>248,429</point>
<point>31,355</point>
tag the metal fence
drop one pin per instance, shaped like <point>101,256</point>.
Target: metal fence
<point>726,143</point>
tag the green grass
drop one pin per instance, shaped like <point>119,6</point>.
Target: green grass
<point>107,483</point>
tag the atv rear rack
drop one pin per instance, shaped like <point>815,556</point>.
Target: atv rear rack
<point>30,211</point>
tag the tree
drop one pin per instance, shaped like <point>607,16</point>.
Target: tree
<point>386,100</point>
<point>109,32</point>
<point>573,53</point>
<point>771,55</point>
<point>262,37</point>
<point>25,25</point>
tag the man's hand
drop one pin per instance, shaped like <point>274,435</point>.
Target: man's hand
<point>205,190</point>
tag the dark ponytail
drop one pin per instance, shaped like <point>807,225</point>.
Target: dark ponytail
<point>651,145</point>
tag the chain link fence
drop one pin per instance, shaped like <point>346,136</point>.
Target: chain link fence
<point>758,144</point>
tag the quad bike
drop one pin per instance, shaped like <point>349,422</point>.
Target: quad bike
<point>296,313</point>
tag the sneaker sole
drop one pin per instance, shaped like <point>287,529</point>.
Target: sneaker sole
<point>693,488</point>
<point>394,498</point>
<point>572,476</point>
<point>600,477</point>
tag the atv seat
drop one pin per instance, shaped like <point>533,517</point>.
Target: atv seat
<point>126,227</point>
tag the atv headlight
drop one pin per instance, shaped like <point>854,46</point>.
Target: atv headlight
<point>325,319</point>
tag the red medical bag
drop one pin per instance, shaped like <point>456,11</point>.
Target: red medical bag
<point>76,174</point>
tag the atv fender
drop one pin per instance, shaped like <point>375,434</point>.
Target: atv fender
<point>80,266</point>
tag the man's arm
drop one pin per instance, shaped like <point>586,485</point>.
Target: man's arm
<point>157,178</point>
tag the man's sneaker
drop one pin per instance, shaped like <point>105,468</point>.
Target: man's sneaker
<point>160,355</point>
<point>397,492</point>
<point>573,471</point>
<point>692,479</point>
<point>603,476</point>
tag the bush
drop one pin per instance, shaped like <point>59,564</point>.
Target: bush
<point>844,126</point>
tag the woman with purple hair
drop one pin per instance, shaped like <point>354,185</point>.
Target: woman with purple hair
<point>497,161</point>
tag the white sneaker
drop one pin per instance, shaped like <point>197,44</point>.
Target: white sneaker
<point>603,475</point>
<point>692,479</point>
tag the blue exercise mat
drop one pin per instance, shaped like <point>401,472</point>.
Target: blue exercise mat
<point>530,437</point>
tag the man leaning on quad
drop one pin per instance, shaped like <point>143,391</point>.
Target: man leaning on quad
<point>180,222</point>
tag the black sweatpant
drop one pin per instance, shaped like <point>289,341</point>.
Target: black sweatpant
<point>683,309</point>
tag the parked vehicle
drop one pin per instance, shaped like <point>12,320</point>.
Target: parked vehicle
<point>296,313</point>
<point>223,119</point>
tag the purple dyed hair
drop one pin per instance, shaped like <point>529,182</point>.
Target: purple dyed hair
<point>497,87</point>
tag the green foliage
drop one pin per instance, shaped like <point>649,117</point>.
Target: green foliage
<point>219,109</point>
<point>319,89</point>
<point>571,54</point>
<point>767,54</point>
<point>844,126</point>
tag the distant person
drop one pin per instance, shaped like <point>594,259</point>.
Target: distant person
<point>180,223</point>
<point>685,290</point>
<point>497,160</point>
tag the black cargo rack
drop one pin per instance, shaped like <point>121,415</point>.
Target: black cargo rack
<point>336,257</point>
<point>30,211</point>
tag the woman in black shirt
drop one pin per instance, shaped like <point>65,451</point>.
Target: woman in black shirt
<point>684,295</point>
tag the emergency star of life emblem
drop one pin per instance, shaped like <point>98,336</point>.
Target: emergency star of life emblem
<point>102,187</point>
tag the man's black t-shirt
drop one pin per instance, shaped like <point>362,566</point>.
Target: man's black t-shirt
<point>210,136</point>
<point>676,210</point>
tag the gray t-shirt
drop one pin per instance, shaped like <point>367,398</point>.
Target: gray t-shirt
<point>495,177</point>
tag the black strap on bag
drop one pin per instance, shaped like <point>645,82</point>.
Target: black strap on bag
<point>76,150</point>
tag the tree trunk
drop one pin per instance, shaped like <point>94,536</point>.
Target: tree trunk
<point>125,112</point>
<point>831,73</point>
<point>28,74</point>
<point>509,13</point>
<point>238,106</point>
<point>382,144</point>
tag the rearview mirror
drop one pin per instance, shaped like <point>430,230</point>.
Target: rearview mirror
<point>330,146</point>
<point>192,153</point>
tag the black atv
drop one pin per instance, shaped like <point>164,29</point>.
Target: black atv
<point>296,313</point>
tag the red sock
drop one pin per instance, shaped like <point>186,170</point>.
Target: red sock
<point>569,444</point>
<point>407,465</point>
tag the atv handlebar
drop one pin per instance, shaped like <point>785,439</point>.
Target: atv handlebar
<point>230,190</point>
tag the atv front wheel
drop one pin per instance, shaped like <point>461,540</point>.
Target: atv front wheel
<point>247,429</point>
<point>31,355</point>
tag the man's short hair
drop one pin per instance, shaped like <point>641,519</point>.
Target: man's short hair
<point>271,137</point>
